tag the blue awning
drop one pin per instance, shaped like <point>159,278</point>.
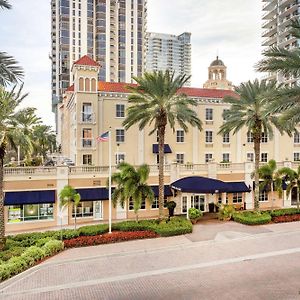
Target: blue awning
<point>167,190</point>
<point>198,184</point>
<point>92,194</point>
<point>29,197</point>
<point>238,187</point>
<point>167,148</point>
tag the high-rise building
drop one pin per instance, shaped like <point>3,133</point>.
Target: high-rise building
<point>276,19</point>
<point>169,52</point>
<point>112,32</point>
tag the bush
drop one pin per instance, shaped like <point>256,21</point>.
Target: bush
<point>34,252</point>
<point>134,226</point>
<point>252,218</point>
<point>93,230</point>
<point>194,213</point>
<point>11,252</point>
<point>52,247</point>
<point>284,212</point>
<point>286,218</point>
<point>176,226</point>
<point>226,212</point>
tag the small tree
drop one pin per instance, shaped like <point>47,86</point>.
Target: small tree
<point>131,184</point>
<point>271,179</point>
<point>292,178</point>
<point>68,196</point>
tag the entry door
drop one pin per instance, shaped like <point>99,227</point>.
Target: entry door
<point>198,201</point>
<point>98,210</point>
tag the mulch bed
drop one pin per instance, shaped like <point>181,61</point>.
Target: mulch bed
<point>107,238</point>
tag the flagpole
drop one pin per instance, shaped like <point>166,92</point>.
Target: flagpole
<point>109,180</point>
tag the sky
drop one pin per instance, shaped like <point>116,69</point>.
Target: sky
<point>231,29</point>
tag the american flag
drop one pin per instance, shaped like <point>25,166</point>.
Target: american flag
<point>104,137</point>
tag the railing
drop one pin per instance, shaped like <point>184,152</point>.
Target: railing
<point>193,167</point>
<point>21,171</point>
<point>231,166</point>
<point>90,170</point>
<point>154,168</point>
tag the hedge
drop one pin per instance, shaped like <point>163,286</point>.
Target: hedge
<point>286,218</point>
<point>252,218</point>
<point>284,212</point>
<point>28,258</point>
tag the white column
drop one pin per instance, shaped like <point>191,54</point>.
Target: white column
<point>141,148</point>
<point>287,199</point>
<point>224,198</point>
<point>249,197</point>
<point>62,180</point>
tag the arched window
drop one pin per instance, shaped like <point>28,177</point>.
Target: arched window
<point>87,85</point>
<point>81,87</point>
<point>94,89</point>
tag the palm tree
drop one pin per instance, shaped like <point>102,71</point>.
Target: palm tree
<point>292,178</point>
<point>9,134</point>
<point>131,183</point>
<point>285,62</point>
<point>68,195</point>
<point>271,179</point>
<point>10,72</point>
<point>252,110</point>
<point>157,101</point>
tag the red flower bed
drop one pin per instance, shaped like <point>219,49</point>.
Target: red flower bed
<point>286,218</point>
<point>107,238</point>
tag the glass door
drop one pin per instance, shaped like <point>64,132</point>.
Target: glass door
<point>198,201</point>
<point>98,210</point>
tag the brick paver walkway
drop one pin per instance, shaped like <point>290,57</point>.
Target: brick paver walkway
<point>240,262</point>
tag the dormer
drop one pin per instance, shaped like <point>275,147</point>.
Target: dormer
<point>85,73</point>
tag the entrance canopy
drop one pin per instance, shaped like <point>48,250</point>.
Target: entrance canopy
<point>204,185</point>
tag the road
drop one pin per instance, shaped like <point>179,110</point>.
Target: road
<point>217,261</point>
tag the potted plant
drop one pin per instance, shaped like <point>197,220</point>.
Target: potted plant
<point>195,215</point>
<point>171,207</point>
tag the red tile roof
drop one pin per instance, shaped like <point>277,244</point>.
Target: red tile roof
<point>70,88</point>
<point>120,87</point>
<point>86,61</point>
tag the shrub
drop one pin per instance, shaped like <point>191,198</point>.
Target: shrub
<point>108,238</point>
<point>34,252</point>
<point>53,247</point>
<point>252,218</point>
<point>42,242</point>
<point>93,230</point>
<point>68,234</point>
<point>16,265</point>
<point>11,252</point>
<point>284,212</point>
<point>176,226</point>
<point>226,212</point>
<point>195,214</point>
<point>134,226</point>
<point>286,218</point>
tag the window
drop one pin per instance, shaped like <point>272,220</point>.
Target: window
<point>184,204</point>
<point>155,204</point>
<point>87,112</point>
<point>249,137</point>
<point>120,157</point>
<point>296,156</point>
<point>264,137</point>
<point>225,111</point>
<point>263,196</point>
<point>208,157</point>
<point>87,140</point>
<point>264,157</point>
<point>87,159</point>
<point>180,136</point>
<point>120,135</point>
<point>296,138</point>
<point>131,204</point>
<point>30,212</point>
<point>237,197</point>
<point>208,114</point>
<point>83,210</point>
<point>208,136</point>
<point>180,158</point>
<point>226,157</point>
<point>250,156</point>
<point>120,110</point>
<point>226,138</point>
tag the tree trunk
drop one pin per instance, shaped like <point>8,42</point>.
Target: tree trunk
<point>298,191</point>
<point>137,217</point>
<point>256,175</point>
<point>272,195</point>
<point>75,216</point>
<point>161,142</point>
<point>2,221</point>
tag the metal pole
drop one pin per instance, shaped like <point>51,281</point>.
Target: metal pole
<point>109,180</point>
<point>19,155</point>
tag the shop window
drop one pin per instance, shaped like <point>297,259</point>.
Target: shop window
<point>83,210</point>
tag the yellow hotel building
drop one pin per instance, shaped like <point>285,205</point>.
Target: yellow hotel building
<point>202,168</point>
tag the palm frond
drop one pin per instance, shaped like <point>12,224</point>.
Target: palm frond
<point>10,71</point>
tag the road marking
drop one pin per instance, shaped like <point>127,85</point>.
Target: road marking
<point>118,278</point>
